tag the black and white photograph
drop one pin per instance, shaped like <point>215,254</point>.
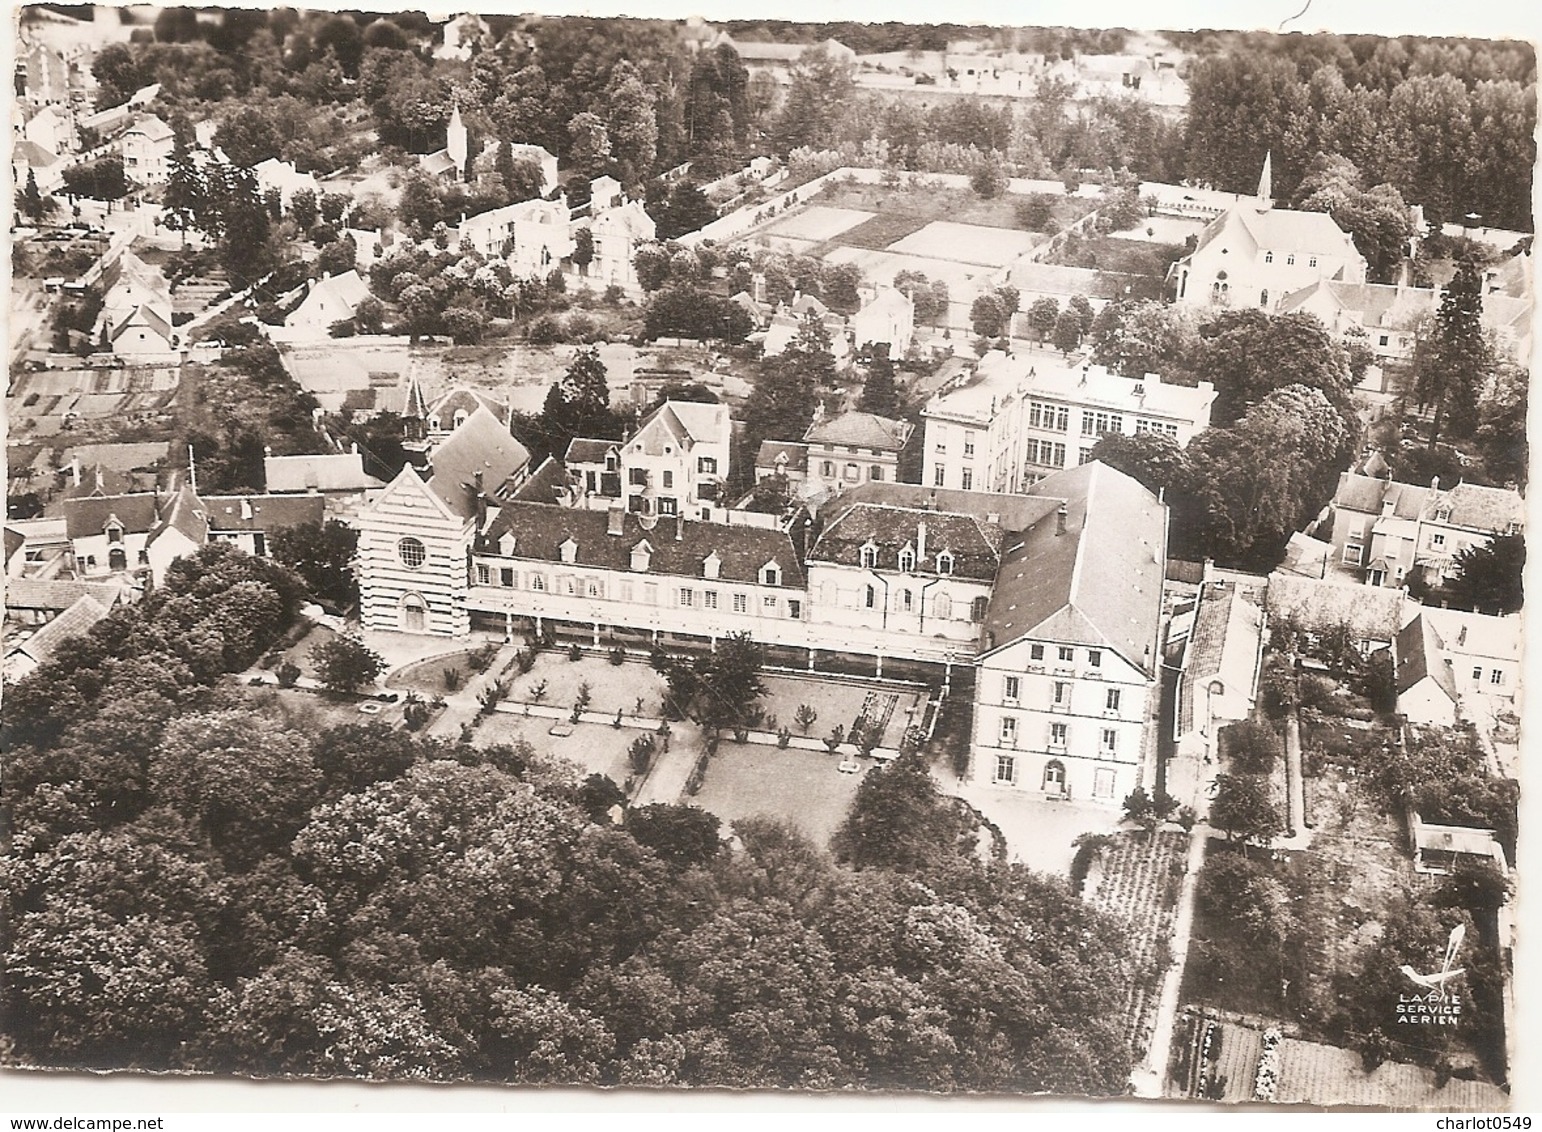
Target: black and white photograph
<point>659,552</point>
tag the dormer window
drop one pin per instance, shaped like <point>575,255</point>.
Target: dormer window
<point>506,544</point>
<point>569,550</point>
<point>1268,257</point>
<point>642,555</point>
<point>907,561</point>
<point>945,563</point>
<point>869,556</point>
<point>114,533</point>
<point>710,565</point>
<point>610,461</point>
<point>771,574</point>
<point>1290,259</point>
<point>1442,514</point>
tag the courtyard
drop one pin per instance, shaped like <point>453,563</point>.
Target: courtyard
<point>802,788</point>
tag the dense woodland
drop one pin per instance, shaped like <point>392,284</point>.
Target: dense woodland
<point>201,879</point>
<point>1447,123</point>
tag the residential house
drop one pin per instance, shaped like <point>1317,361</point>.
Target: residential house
<point>887,318</point>
<point>37,601</point>
<point>786,323</point>
<point>42,165</point>
<point>533,236</point>
<point>464,35</point>
<point>283,178</point>
<point>676,461</point>
<point>1012,421</point>
<point>128,283</point>
<point>783,458</point>
<point>1426,680</point>
<point>453,409</point>
<point>331,299</point>
<point>1254,254</point>
<point>52,128</point>
<point>1384,317</point>
<point>616,232</point>
<point>852,448</point>
<point>108,534</point>
<point>1218,675</point>
<point>144,332</point>
<point>525,151</point>
<point>146,148</point>
<point>1382,531</point>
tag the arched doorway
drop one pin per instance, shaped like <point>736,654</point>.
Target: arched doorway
<point>1054,777</point>
<point>414,614</point>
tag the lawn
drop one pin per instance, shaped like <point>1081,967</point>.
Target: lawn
<point>611,687</point>
<point>842,703</point>
<point>819,222</point>
<point>312,712</point>
<point>427,677</point>
<point>592,747</point>
<point>962,206</point>
<point>968,243</point>
<point>800,787</point>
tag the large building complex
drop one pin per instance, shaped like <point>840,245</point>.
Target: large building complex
<point>1013,421</point>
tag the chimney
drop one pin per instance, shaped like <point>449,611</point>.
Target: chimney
<point>1388,502</point>
<point>246,510</point>
<point>921,541</point>
<point>679,527</point>
<point>1461,638</point>
<point>1435,483</point>
<point>615,517</point>
<point>1060,518</point>
<point>75,469</point>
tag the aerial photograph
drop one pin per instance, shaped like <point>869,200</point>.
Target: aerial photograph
<point>817,558</point>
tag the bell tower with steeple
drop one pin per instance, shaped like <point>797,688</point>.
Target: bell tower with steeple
<point>1266,184</point>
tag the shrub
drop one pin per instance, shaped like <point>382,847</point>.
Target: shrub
<point>783,738</point>
<point>538,692</point>
<point>575,652</point>
<point>618,656</point>
<point>804,717</point>
<point>453,679</point>
<point>640,753</point>
<point>288,673</point>
<point>585,693</point>
<point>489,696</point>
<point>616,723</point>
<point>835,738</point>
<point>546,331</point>
<point>482,658</point>
<point>525,658</point>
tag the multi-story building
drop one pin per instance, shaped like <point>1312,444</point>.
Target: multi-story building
<point>1254,254</point>
<point>1070,652</point>
<point>146,147</point>
<point>674,463</point>
<point>1053,595</point>
<point>1382,531</point>
<point>1013,421</point>
<point>533,236</point>
<point>854,448</point>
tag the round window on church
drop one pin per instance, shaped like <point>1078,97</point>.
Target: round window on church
<point>411,552</point>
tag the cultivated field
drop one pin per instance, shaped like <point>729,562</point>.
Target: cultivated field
<point>818,222</point>
<point>968,243</point>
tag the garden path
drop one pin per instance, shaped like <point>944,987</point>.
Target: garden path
<point>1147,1079</point>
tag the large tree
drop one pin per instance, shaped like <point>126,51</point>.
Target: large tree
<point>1488,577</point>
<point>579,404</point>
<point>1452,358</point>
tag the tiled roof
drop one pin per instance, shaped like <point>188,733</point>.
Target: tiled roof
<point>1420,653</point>
<point>88,515</point>
<point>974,544</point>
<point>683,420</point>
<point>1367,493</point>
<point>1224,645</point>
<point>57,593</point>
<point>262,512</point>
<point>465,401</point>
<point>482,445</point>
<point>74,621</point>
<point>1478,508</point>
<point>14,541</point>
<point>540,530</point>
<point>861,430</point>
<point>1012,512</point>
<point>187,516</point>
<point>544,485</point>
<point>338,471</point>
<point>582,450</point>
<point>1371,612</point>
<point>797,454</point>
<point>144,316</point>
<point>1100,582</point>
<point>346,287</point>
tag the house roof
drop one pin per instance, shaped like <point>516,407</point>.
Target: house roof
<point>14,541</point>
<point>437,163</point>
<point>262,512</point>
<point>1477,508</point>
<point>346,288</point>
<point>1055,279</point>
<point>1012,512</point>
<point>186,516</point>
<point>1376,304</point>
<point>544,485</point>
<point>338,471</point>
<point>84,613</point>
<point>144,316</point>
<point>152,128</point>
<point>682,422</point>
<point>583,450</point>
<point>861,430</point>
<point>1306,556</point>
<point>974,543</point>
<point>1367,494</point>
<point>464,400</point>
<point>679,545</point>
<point>28,152</point>
<point>57,593</point>
<point>1100,582</point>
<point>1420,653</point>
<point>88,515</point>
<point>770,450</point>
<point>1371,612</point>
<point>1223,646</point>
<point>1476,634</point>
<point>481,448</point>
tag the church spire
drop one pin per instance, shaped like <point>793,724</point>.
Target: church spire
<point>1266,183</point>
